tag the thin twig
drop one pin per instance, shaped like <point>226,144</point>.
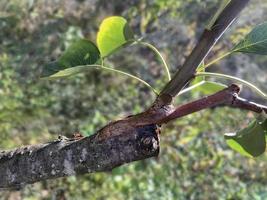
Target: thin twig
<point>248,105</point>
<point>225,97</point>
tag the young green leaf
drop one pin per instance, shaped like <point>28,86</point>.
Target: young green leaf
<point>81,52</point>
<point>254,42</point>
<point>210,87</point>
<point>225,76</point>
<point>204,87</point>
<point>114,33</point>
<point>200,84</point>
<point>251,140</point>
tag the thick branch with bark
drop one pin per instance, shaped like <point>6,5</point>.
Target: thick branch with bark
<point>132,138</point>
<point>65,157</point>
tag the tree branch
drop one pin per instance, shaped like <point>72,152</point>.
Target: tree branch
<point>67,157</point>
<point>208,39</point>
<point>225,97</point>
<point>244,104</point>
<point>133,138</point>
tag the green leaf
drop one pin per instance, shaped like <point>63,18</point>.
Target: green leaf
<point>71,71</point>
<point>114,33</point>
<point>199,84</point>
<point>251,140</point>
<point>205,87</point>
<point>254,42</point>
<point>209,87</point>
<point>81,52</point>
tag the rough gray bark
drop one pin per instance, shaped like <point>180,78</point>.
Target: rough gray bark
<point>65,157</point>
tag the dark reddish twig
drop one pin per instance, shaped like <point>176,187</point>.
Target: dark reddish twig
<point>248,105</point>
<point>226,97</point>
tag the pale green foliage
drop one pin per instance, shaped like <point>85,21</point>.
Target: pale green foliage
<point>254,42</point>
<point>114,32</point>
<point>249,141</point>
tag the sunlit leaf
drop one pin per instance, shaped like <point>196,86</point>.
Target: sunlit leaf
<point>114,33</point>
<point>254,42</point>
<point>204,87</point>
<point>199,84</point>
<point>251,140</point>
<point>208,87</point>
<point>81,52</point>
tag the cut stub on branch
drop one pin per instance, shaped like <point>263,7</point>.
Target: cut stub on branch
<point>66,157</point>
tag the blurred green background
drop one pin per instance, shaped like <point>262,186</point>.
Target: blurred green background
<point>194,162</point>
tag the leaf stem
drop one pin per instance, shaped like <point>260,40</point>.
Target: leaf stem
<point>78,69</point>
<point>191,87</point>
<point>131,76</point>
<point>214,61</point>
<point>156,51</point>
<point>225,76</point>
